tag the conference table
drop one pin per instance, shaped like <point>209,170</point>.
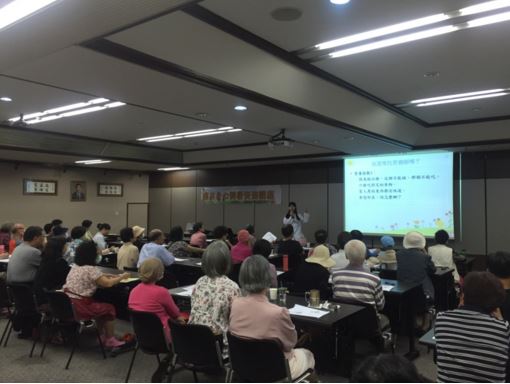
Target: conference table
<point>334,321</point>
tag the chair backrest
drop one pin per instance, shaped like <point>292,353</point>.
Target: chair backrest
<point>257,360</point>
<point>23,297</point>
<point>60,305</point>
<point>131,269</point>
<point>390,274</point>
<point>365,323</point>
<point>5,299</point>
<point>234,273</point>
<point>195,345</point>
<point>149,332</point>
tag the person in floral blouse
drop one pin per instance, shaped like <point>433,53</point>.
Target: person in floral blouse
<point>213,293</point>
<point>178,247</point>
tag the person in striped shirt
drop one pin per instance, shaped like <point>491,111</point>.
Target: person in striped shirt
<point>354,284</point>
<point>472,342</point>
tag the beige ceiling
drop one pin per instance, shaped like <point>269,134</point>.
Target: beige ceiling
<point>178,72</point>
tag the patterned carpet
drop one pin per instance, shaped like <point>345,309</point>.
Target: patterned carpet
<point>88,364</point>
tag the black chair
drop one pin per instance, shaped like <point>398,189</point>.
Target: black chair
<point>234,273</point>
<point>368,325</point>
<point>150,336</point>
<point>258,361</point>
<point>196,348</point>
<point>64,320</point>
<point>6,302</point>
<point>25,316</point>
<point>131,269</point>
<point>389,274</point>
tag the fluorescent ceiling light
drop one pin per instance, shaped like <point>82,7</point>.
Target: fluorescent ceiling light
<point>182,135</point>
<point>339,2</point>
<point>458,95</point>
<point>383,31</point>
<point>173,169</point>
<point>92,162</point>
<point>73,110</point>
<point>18,9</point>
<point>206,134</point>
<point>394,41</point>
<point>5,98</point>
<point>461,99</point>
<point>484,7</point>
<point>505,16</point>
<point>43,119</point>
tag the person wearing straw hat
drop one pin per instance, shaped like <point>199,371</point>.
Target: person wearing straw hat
<point>314,272</point>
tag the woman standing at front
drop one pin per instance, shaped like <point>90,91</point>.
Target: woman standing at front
<point>296,220</point>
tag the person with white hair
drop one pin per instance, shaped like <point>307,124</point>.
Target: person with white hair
<point>354,285</point>
<point>414,265</point>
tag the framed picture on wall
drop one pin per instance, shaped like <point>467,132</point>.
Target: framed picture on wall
<point>39,187</point>
<point>112,190</point>
<point>78,191</point>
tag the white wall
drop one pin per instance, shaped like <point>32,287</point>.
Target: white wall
<point>38,210</point>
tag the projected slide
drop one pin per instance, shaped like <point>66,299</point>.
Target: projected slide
<point>395,194</point>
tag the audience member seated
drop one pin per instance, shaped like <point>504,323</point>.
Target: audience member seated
<point>358,235</point>
<point>149,297</point>
<point>251,229</point>
<point>82,282</point>
<point>321,238</point>
<point>17,233</point>
<point>386,368</point>
<point>314,272</point>
<point>59,231</point>
<point>242,249</point>
<point>387,257</point>
<point>178,247</point>
<point>213,293</point>
<point>414,265</point>
<point>263,247</point>
<point>355,285</point>
<point>5,235</point>
<point>26,258</point>
<point>78,236</point>
<point>198,238</point>
<point>47,229</point>
<point>221,233</point>
<point>155,248</point>
<point>290,247</point>
<point>254,317</point>
<point>87,224</point>
<point>138,232</point>
<point>100,238</point>
<point>472,342</point>
<point>499,265</point>
<point>128,252</point>
<point>339,256</point>
<point>442,255</point>
<point>53,271</point>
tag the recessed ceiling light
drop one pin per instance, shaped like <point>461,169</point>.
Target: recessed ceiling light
<point>5,98</point>
<point>339,2</point>
<point>476,109</point>
<point>93,105</point>
<point>19,9</point>
<point>286,14</point>
<point>431,74</point>
<point>92,162</point>
<point>240,108</point>
<point>173,169</point>
<point>202,115</point>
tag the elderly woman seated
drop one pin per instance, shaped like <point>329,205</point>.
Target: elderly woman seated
<point>254,317</point>
<point>149,297</point>
<point>213,293</point>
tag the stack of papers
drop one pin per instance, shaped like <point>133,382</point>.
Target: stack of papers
<point>387,287</point>
<point>269,237</point>
<point>130,279</point>
<point>199,263</point>
<point>301,310</point>
<point>186,291</point>
<point>177,259</point>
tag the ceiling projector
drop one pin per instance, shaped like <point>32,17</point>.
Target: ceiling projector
<point>279,140</point>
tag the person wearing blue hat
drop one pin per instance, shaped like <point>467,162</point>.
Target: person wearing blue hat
<point>387,256</point>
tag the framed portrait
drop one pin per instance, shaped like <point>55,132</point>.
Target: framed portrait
<point>78,191</point>
<point>39,187</point>
<point>111,190</point>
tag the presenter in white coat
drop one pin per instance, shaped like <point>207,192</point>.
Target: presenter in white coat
<point>296,220</point>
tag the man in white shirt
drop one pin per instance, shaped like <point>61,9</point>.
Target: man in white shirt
<point>442,255</point>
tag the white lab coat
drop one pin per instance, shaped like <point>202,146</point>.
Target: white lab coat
<point>298,226</point>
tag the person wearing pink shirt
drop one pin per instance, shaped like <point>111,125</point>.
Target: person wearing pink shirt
<point>242,249</point>
<point>198,238</point>
<point>149,297</point>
